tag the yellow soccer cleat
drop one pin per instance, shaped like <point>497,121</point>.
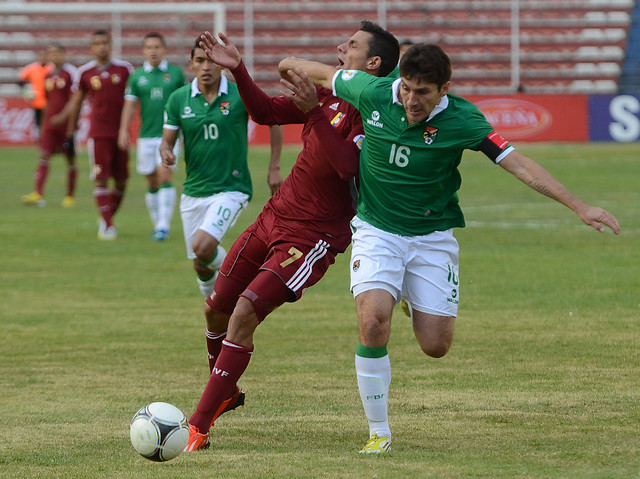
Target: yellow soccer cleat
<point>34,199</point>
<point>68,202</point>
<point>406,308</point>
<point>376,445</point>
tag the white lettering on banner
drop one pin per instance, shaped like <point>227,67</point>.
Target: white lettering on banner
<point>15,123</point>
<point>624,111</point>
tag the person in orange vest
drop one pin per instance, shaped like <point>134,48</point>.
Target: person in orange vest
<point>31,79</point>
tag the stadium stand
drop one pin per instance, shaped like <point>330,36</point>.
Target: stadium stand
<point>565,46</point>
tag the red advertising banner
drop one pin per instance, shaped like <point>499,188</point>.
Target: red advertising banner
<point>17,126</point>
<point>537,117</point>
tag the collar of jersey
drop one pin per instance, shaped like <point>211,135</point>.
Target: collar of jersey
<point>163,67</point>
<point>441,106</point>
<point>222,90</point>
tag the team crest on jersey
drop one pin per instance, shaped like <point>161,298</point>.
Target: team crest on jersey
<point>356,265</point>
<point>115,78</point>
<point>167,78</point>
<point>224,107</point>
<point>96,84</point>
<point>61,83</point>
<point>337,119</point>
<point>429,134</point>
<point>348,74</point>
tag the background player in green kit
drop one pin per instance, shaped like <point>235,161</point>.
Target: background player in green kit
<point>403,245</point>
<point>213,120</point>
<point>151,86</point>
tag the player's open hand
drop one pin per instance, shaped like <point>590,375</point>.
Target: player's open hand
<point>303,92</point>
<point>224,54</point>
<point>597,217</point>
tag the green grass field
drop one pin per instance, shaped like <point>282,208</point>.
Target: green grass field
<point>541,380</point>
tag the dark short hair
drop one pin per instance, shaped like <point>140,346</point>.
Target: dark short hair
<point>383,45</point>
<point>154,35</point>
<point>426,62</point>
<point>101,32</point>
<point>57,46</point>
<point>195,45</point>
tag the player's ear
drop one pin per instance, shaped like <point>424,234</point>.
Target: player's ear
<point>445,88</point>
<point>374,63</point>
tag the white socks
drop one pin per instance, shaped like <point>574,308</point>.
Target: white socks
<point>374,378</point>
<point>160,205</point>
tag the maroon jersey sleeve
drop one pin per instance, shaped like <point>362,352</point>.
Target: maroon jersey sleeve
<point>265,109</point>
<point>343,154</point>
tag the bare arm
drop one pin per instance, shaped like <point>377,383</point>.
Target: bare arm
<point>536,177</point>
<point>125,122</point>
<point>70,113</point>
<point>319,73</point>
<point>169,138</point>
<point>274,177</point>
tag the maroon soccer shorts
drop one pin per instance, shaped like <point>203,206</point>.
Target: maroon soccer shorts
<point>51,140</point>
<point>107,160</point>
<point>270,265</point>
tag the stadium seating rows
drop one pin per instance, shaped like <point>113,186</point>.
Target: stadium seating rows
<point>565,45</point>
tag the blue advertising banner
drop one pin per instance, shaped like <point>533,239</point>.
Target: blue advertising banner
<point>614,118</point>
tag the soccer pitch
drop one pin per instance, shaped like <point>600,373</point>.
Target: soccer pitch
<point>541,380</point>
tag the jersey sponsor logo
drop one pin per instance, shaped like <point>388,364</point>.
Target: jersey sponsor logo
<point>429,134</point>
<point>337,119</point>
<point>356,265</point>
<point>373,121</point>
<point>224,107</point>
<point>142,81</point>
<point>348,74</point>
<point>187,113</point>
<point>358,141</point>
<point>334,106</point>
<point>95,82</point>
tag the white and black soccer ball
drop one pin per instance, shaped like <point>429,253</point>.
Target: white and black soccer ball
<point>159,431</point>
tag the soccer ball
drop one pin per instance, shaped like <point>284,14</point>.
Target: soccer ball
<point>159,431</point>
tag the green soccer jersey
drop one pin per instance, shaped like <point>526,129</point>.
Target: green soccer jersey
<point>409,175</point>
<point>215,139</point>
<point>151,87</point>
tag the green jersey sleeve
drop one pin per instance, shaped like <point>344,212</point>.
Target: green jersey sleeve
<point>349,85</point>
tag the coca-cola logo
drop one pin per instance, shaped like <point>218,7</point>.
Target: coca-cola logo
<point>516,119</point>
<point>16,123</point>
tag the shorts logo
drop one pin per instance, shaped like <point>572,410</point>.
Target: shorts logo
<point>356,265</point>
<point>429,134</point>
<point>337,119</point>
<point>348,74</point>
<point>224,107</point>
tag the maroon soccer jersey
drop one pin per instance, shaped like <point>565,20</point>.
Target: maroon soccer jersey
<point>317,195</point>
<point>104,86</point>
<point>57,86</point>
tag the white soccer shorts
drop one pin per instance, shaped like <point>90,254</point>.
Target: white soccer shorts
<point>214,215</point>
<point>148,157</point>
<point>421,269</point>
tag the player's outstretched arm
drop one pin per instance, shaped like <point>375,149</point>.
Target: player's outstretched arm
<point>538,178</point>
<point>226,54</point>
<point>319,73</point>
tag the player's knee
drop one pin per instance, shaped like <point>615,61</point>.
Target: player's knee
<point>435,349</point>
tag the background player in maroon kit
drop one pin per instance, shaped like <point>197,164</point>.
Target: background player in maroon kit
<point>103,81</point>
<point>53,139</point>
<point>301,228</point>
